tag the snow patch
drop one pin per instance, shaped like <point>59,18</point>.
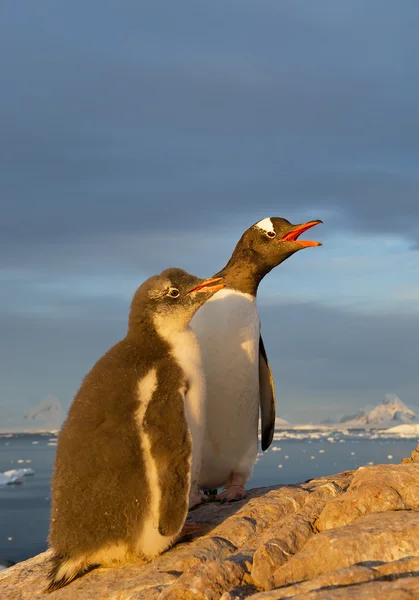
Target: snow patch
<point>403,431</point>
<point>411,429</point>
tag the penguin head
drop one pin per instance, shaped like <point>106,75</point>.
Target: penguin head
<point>275,239</point>
<point>174,295</point>
<point>264,246</point>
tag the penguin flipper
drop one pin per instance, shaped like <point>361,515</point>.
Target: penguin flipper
<point>172,451</point>
<point>174,505</point>
<point>267,398</point>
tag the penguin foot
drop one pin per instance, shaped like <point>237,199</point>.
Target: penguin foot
<point>197,499</point>
<point>232,493</point>
<point>210,491</point>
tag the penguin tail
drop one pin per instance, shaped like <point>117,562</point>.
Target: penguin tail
<point>64,569</point>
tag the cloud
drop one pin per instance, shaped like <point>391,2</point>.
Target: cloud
<point>43,355</point>
<point>324,360</point>
<point>330,356</point>
<point>144,137</point>
<point>168,128</point>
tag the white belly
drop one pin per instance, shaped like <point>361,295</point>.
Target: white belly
<point>227,328</point>
<point>185,349</point>
<point>150,542</point>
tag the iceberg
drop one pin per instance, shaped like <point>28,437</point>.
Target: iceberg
<point>15,476</point>
<point>405,430</point>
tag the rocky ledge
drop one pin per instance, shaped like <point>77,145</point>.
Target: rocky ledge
<point>350,535</point>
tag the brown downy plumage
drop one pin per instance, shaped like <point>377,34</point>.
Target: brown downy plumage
<point>122,472</point>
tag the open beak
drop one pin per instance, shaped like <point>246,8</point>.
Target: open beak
<point>293,235</point>
<point>208,283</point>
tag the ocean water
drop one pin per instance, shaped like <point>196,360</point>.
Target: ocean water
<point>294,456</point>
<point>24,508</point>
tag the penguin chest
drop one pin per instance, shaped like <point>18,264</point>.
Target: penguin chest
<point>185,350</point>
<point>228,330</point>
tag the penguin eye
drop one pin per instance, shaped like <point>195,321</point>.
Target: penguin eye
<point>173,292</point>
<point>271,234</point>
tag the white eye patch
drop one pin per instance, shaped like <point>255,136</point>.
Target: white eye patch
<point>266,225</point>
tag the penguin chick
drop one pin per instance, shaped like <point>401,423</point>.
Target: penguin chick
<point>237,372</point>
<point>129,452</point>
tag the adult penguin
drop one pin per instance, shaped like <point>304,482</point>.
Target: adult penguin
<point>239,380</point>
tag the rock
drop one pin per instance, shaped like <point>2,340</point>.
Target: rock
<point>350,535</point>
<point>245,531</point>
<point>395,580</point>
<point>203,568</point>
<point>414,457</point>
<point>286,537</point>
<point>382,537</point>
<point>373,489</point>
<point>285,540</point>
<point>5,563</point>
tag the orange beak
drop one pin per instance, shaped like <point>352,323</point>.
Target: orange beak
<point>202,287</point>
<point>293,235</point>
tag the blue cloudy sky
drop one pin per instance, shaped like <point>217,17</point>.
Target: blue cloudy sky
<point>141,135</point>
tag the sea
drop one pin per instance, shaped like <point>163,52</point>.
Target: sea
<point>296,455</point>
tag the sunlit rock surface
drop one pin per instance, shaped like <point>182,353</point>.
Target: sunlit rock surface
<point>350,535</point>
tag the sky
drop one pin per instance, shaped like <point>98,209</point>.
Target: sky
<point>136,136</point>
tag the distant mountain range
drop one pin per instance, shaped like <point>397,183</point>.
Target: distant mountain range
<point>47,415</point>
<point>47,412</point>
<point>390,412</point>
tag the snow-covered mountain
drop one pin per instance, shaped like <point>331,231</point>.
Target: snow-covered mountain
<point>280,422</point>
<point>48,414</point>
<point>392,411</point>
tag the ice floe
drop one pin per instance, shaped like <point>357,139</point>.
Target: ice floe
<point>15,476</point>
<point>333,434</point>
<point>406,429</point>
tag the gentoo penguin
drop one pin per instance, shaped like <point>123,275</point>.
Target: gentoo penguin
<point>236,367</point>
<point>129,452</point>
